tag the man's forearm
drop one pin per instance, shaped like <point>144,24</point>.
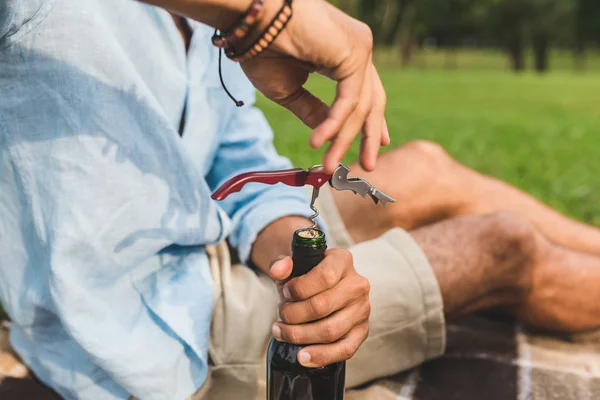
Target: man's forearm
<point>276,240</point>
<point>219,14</point>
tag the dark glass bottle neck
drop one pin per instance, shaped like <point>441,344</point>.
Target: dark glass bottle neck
<point>308,250</point>
<point>309,237</point>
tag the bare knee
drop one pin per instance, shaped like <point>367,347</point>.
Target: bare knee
<point>425,148</point>
<point>515,246</point>
<point>514,234</point>
<point>424,178</point>
<point>481,261</point>
<point>425,151</point>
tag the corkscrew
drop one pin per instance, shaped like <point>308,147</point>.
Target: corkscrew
<point>315,176</point>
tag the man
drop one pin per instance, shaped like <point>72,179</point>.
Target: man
<point>115,273</point>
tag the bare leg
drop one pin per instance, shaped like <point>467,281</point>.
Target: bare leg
<point>502,261</point>
<point>479,261</point>
<point>565,293</point>
<point>430,186</point>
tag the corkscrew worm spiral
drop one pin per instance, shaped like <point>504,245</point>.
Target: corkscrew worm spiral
<point>313,217</point>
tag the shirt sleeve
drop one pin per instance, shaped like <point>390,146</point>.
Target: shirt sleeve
<point>247,145</point>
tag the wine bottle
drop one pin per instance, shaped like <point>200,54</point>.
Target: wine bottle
<point>287,379</point>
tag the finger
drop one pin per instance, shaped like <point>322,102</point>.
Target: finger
<point>307,107</point>
<point>373,128</point>
<point>343,141</point>
<point>381,101</point>
<point>326,330</point>
<point>320,355</point>
<point>347,99</point>
<point>349,290</point>
<point>335,152</point>
<point>321,278</point>
<point>369,145</point>
<point>350,129</point>
<point>385,139</point>
<point>281,269</point>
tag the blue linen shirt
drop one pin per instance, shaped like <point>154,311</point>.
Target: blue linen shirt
<point>104,209</point>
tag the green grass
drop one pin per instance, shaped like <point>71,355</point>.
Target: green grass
<point>540,133</point>
<point>482,59</point>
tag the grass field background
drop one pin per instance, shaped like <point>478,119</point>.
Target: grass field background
<point>540,133</point>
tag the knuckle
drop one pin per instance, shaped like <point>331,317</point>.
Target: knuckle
<point>347,258</point>
<point>367,36</point>
<point>330,333</point>
<point>353,103</point>
<point>367,310</point>
<point>364,330</point>
<point>286,99</point>
<point>296,288</point>
<point>329,277</point>
<point>348,350</point>
<point>346,54</point>
<point>364,286</point>
<point>285,314</point>
<point>365,108</point>
<point>321,306</point>
<point>291,335</point>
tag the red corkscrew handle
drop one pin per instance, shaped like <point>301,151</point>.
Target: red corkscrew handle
<point>290,177</point>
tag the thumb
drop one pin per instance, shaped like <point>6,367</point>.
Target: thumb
<point>281,269</point>
<point>306,106</point>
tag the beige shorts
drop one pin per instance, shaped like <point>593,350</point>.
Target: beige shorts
<point>406,324</point>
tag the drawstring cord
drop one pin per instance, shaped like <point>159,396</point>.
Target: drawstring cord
<point>237,102</point>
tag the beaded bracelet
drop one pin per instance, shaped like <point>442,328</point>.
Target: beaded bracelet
<point>240,29</point>
<point>267,37</point>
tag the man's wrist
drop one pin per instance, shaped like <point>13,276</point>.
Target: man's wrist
<point>276,240</point>
<point>219,14</point>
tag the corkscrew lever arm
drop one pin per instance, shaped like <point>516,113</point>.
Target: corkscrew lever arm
<point>290,177</point>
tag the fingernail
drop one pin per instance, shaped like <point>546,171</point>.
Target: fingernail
<point>286,293</point>
<point>304,358</point>
<point>277,265</point>
<point>276,331</point>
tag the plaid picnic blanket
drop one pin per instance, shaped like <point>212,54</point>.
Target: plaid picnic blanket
<point>487,358</point>
<point>491,359</point>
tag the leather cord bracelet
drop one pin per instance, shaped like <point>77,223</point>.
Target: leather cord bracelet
<point>240,29</point>
<point>231,37</point>
<point>228,40</point>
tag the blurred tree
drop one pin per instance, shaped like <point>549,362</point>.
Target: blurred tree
<point>510,24</point>
<point>405,30</point>
<point>346,5</point>
<point>513,25</point>
<point>550,21</point>
<point>587,28</point>
<point>384,17</point>
<point>451,22</point>
<point>368,13</point>
<point>507,24</point>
